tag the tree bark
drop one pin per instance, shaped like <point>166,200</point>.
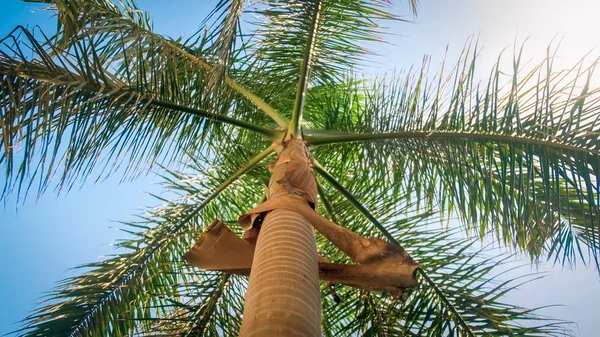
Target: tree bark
<point>283,296</point>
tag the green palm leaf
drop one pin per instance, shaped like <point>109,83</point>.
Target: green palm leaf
<point>59,97</point>
<point>520,161</point>
<point>132,289</point>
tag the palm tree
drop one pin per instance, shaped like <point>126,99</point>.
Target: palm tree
<point>381,160</point>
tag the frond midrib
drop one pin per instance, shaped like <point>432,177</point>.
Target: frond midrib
<point>317,140</point>
<point>123,93</point>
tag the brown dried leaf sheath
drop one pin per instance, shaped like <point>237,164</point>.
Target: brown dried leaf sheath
<point>382,266</point>
<point>291,173</point>
<point>220,249</point>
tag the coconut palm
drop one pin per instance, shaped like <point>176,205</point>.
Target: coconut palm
<point>372,165</point>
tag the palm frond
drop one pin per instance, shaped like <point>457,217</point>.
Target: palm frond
<point>457,317</point>
<point>141,285</point>
<point>282,37</point>
<point>461,294</point>
<point>520,160</point>
<point>342,29</point>
<point>69,109</point>
<point>114,27</point>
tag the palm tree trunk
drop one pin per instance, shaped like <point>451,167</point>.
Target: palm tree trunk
<point>283,297</point>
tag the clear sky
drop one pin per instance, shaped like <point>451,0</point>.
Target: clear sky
<point>43,239</point>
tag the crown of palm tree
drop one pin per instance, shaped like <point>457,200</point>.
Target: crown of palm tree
<point>517,162</point>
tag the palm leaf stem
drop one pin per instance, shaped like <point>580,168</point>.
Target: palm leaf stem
<point>294,127</point>
<point>326,203</point>
<point>266,108</point>
<point>315,140</point>
<point>273,134</point>
<point>361,208</point>
<point>245,169</point>
<point>357,204</point>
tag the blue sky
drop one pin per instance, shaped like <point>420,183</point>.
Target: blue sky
<point>40,241</point>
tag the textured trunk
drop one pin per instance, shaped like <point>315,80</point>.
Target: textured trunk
<point>283,297</point>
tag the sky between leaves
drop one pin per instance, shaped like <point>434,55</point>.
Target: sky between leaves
<point>40,240</point>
